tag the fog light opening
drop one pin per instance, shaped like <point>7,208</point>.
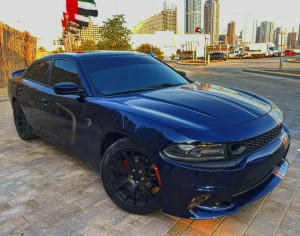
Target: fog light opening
<point>198,200</point>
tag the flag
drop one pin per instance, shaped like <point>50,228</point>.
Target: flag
<point>72,9</point>
<point>64,25</point>
<point>82,20</point>
<point>198,30</point>
<point>87,7</point>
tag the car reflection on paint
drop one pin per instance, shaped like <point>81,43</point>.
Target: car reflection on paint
<point>195,150</point>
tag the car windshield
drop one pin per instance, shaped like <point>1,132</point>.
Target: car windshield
<point>126,74</point>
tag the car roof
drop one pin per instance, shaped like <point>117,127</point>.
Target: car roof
<point>93,54</point>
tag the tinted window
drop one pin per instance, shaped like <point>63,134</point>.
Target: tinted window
<point>64,71</point>
<point>39,72</point>
<point>123,73</point>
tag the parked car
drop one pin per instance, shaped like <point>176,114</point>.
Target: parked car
<point>159,140</point>
<point>218,56</point>
<point>289,53</point>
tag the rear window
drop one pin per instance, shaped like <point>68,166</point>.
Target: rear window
<point>39,73</point>
<point>117,74</point>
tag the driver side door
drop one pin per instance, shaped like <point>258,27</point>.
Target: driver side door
<point>65,119</point>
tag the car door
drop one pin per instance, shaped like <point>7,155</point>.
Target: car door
<point>65,118</point>
<point>31,93</point>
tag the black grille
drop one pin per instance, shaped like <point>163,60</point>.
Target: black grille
<point>250,145</point>
<point>253,182</point>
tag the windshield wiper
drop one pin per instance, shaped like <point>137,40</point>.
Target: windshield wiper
<point>151,87</point>
<point>165,85</point>
<point>129,91</point>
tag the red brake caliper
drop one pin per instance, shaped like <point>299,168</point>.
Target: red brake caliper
<point>125,163</point>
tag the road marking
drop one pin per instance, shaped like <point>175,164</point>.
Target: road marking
<point>27,155</point>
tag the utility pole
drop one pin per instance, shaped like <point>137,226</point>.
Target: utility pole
<point>281,45</point>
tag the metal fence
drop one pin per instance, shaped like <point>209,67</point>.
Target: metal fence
<point>17,51</point>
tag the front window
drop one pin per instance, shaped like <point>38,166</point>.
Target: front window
<point>64,71</point>
<point>125,74</point>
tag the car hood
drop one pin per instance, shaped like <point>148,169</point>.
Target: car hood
<point>196,105</point>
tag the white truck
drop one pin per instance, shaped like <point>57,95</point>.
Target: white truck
<point>266,49</point>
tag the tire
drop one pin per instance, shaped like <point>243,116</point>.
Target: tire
<point>22,126</point>
<point>130,179</point>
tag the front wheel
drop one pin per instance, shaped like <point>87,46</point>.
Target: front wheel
<point>22,126</point>
<point>130,179</point>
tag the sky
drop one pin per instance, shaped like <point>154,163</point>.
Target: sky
<point>42,18</point>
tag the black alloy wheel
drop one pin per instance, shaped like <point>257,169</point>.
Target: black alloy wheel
<point>23,128</point>
<point>130,179</point>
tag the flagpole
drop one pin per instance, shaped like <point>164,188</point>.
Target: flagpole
<point>69,37</point>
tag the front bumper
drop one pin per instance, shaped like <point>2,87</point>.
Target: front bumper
<point>223,191</point>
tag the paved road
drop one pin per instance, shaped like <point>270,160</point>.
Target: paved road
<point>282,91</point>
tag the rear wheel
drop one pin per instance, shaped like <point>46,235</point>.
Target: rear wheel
<point>22,126</point>
<point>130,179</point>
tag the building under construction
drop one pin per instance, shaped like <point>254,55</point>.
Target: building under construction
<point>164,21</point>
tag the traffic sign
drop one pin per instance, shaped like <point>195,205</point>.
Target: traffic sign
<point>153,54</point>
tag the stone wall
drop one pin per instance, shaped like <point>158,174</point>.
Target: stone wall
<point>17,51</point>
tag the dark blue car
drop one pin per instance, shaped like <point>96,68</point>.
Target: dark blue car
<point>159,140</point>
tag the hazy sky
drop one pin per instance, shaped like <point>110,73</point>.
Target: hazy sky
<point>42,17</point>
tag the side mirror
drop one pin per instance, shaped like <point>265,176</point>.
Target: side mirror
<point>181,72</point>
<point>67,88</point>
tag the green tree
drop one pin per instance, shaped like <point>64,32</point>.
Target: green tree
<point>115,35</point>
<point>41,49</point>
<point>148,49</point>
<point>58,50</point>
<point>86,46</point>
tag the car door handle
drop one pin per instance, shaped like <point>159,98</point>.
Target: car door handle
<point>45,102</point>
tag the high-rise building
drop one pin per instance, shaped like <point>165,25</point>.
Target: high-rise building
<point>291,40</point>
<point>267,32</point>
<point>211,19</point>
<point>258,34</point>
<point>249,28</point>
<point>193,16</point>
<point>164,21</point>
<point>91,32</point>
<point>231,33</point>
<point>223,39</point>
<point>299,35</point>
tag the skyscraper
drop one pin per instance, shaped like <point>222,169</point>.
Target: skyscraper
<point>249,28</point>
<point>211,19</point>
<point>193,15</point>
<point>267,32</point>
<point>231,33</point>
<point>291,40</point>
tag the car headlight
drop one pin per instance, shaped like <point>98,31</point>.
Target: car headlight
<point>197,153</point>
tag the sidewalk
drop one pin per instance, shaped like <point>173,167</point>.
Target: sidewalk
<point>45,191</point>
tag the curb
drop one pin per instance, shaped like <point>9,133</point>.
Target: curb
<point>272,74</point>
<point>293,61</point>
